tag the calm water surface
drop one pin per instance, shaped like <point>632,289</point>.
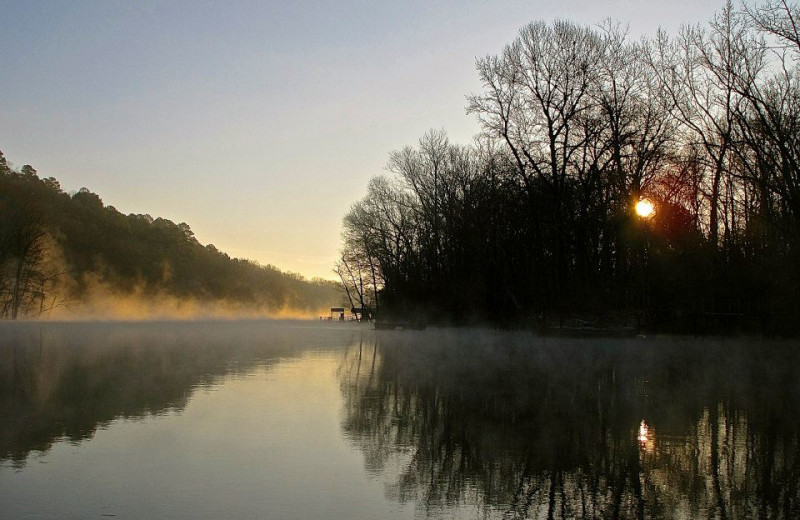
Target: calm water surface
<point>308,420</point>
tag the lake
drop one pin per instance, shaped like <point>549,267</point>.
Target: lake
<point>305,420</point>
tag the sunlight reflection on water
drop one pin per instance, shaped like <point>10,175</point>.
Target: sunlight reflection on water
<point>255,419</point>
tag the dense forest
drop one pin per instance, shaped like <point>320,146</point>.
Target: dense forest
<point>535,221</point>
<point>69,255</point>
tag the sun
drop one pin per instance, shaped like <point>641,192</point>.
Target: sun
<point>645,208</point>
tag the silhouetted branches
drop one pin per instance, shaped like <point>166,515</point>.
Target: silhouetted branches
<point>704,124</point>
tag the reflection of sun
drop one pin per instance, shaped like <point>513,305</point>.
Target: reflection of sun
<point>645,208</point>
<point>646,438</point>
<point>643,432</point>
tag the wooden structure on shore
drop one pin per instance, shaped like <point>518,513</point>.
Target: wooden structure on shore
<point>338,314</point>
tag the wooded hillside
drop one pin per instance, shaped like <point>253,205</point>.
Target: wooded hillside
<point>58,251</point>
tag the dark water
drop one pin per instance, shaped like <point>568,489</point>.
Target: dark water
<point>293,420</point>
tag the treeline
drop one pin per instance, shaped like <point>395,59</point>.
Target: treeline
<point>61,250</point>
<point>536,219</point>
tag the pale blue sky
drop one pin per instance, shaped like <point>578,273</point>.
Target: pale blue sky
<point>258,123</point>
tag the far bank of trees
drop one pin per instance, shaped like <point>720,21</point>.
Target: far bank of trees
<point>61,250</point>
<point>27,274</point>
<point>536,217</point>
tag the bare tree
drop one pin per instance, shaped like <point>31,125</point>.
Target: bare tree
<point>27,277</point>
<point>779,18</point>
<point>697,73</point>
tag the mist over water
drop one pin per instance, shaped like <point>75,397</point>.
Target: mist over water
<point>101,300</point>
<point>277,419</point>
<point>535,428</point>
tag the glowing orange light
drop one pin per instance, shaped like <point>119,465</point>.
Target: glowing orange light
<point>645,208</point>
<point>646,438</point>
<point>643,432</point>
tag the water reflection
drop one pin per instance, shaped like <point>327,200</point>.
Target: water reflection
<point>646,438</point>
<point>66,381</point>
<point>508,426</point>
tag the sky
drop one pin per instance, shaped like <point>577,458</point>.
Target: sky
<point>257,123</point>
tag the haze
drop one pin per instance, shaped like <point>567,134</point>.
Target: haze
<point>258,123</point>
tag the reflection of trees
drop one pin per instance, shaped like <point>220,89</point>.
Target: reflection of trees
<point>64,381</point>
<point>550,429</point>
